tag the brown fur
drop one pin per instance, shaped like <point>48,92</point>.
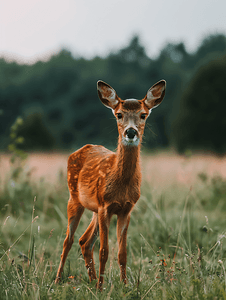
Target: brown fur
<point>106,183</point>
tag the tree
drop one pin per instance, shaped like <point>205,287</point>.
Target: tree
<point>211,44</point>
<point>62,91</point>
<point>201,123</point>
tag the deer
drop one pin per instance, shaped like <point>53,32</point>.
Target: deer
<point>108,183</point>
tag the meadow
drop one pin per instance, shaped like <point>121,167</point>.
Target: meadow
<point>176,239</point>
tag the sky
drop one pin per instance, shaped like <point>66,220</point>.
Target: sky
<point>32,30</point>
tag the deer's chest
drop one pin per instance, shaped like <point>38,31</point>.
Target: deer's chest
<point>122,192</point>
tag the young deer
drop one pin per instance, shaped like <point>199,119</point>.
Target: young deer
<point>108,183</point>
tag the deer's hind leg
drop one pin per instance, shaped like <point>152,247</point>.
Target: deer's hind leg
<point>87,242</point>
<point>74,211</point>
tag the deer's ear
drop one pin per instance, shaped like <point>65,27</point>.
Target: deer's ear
<point>107,94</point>
<point>155,94</point>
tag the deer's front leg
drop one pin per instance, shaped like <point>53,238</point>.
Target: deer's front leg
<point>104,221</point>
<point>122,227</point>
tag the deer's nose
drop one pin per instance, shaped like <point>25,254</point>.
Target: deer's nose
<point>131,133</point>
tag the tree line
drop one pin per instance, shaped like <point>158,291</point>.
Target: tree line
<point>58,103</point>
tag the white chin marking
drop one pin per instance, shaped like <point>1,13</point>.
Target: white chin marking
<point>130,142</point>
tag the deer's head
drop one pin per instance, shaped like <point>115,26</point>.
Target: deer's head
<point>131,114</point>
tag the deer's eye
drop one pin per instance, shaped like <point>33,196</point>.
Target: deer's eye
<point>119,116</point>
<point>143,116</point>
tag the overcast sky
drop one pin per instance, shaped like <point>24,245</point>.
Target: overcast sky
<point>35,29</point>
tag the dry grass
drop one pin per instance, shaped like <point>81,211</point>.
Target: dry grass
<point>45,165</point>
<point>176,239</point>
<point>161,170</point>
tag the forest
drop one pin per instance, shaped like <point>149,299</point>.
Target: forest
<point>53,104</point>
<point>176,243</point>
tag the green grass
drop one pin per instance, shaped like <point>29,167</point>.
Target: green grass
<point>176,243</point>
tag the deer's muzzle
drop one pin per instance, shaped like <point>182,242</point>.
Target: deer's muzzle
<point>130,133</point>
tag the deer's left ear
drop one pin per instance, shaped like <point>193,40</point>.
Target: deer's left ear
<point>155,94</point>
<point>107,94</point>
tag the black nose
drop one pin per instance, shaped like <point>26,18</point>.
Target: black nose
<point>131,133</point>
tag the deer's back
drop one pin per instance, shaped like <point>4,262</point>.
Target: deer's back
<point>88,168</point>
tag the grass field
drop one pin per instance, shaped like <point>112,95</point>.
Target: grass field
<point>176,238</point>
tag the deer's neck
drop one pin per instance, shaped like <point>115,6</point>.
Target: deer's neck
<point>127,162</point>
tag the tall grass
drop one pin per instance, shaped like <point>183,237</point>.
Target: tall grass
<point>176,243</point>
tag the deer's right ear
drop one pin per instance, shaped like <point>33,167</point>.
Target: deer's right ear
<point>155,94</point>
<point>107,94</point>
